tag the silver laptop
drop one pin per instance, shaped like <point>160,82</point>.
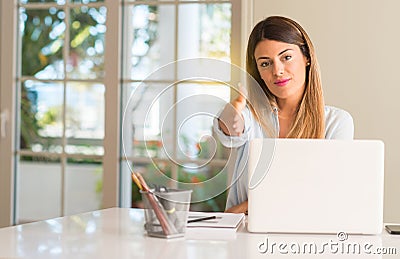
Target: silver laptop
<point>316,186</point>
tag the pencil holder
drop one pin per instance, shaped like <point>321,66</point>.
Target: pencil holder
<point>166,212</point>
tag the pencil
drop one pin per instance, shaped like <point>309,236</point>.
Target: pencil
<point>136,181</point>
<point>201,219</point>
<point>166,225</point>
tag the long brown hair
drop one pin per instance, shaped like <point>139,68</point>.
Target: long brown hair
<point>310,119</point>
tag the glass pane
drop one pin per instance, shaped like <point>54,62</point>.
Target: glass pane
<point>86,60</point>
<point>202,159</point>
<point>60,2</point>
<point>41,116</point>
<point>38,189</point>
<point>197,106</point>
<point>148,120</point>
<point>204,31</point>
<point>83,186</point>
<point>87,1</point>
<point>150,42</point>
<point>208,184</point>
<point>158,173</point>
<point>149,0</point>
<point>42,34</point>
<point>85,118</point>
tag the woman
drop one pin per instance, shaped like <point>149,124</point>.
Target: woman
<point>281,59</point>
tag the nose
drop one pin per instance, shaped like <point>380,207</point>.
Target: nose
<point>278,68</point>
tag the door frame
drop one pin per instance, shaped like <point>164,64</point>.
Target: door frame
<point>8,31</point>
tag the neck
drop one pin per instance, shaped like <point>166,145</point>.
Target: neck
<point>287,109</point>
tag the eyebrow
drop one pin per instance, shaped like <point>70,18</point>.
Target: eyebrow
<point>280,53</point>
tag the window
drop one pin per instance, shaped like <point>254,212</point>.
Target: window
<point>168,106</point>
<point>61,107</point>
<point>75,77</point>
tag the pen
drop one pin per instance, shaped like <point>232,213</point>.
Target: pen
<point>201,219</point>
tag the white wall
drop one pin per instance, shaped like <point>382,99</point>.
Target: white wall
<point>357,44</point>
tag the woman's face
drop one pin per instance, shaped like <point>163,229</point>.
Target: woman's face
<point>282,66</point>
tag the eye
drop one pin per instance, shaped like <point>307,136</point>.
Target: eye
<point>265,64</point>
<point>287,57</point>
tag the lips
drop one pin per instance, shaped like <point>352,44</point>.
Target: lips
<point>282,82</point>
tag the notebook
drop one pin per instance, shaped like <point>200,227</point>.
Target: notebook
<point>223,227</point>
<point>227,221</point>
<point>316,186</point>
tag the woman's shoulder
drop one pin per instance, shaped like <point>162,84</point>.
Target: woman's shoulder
<point>334,113</point>
<point>338,123</point>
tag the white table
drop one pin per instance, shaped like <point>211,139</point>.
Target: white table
<point>119,233</point>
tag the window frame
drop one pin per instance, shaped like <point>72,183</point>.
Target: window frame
<point>7,97</point>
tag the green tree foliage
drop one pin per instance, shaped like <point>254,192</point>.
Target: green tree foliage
<point>43,37</point>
